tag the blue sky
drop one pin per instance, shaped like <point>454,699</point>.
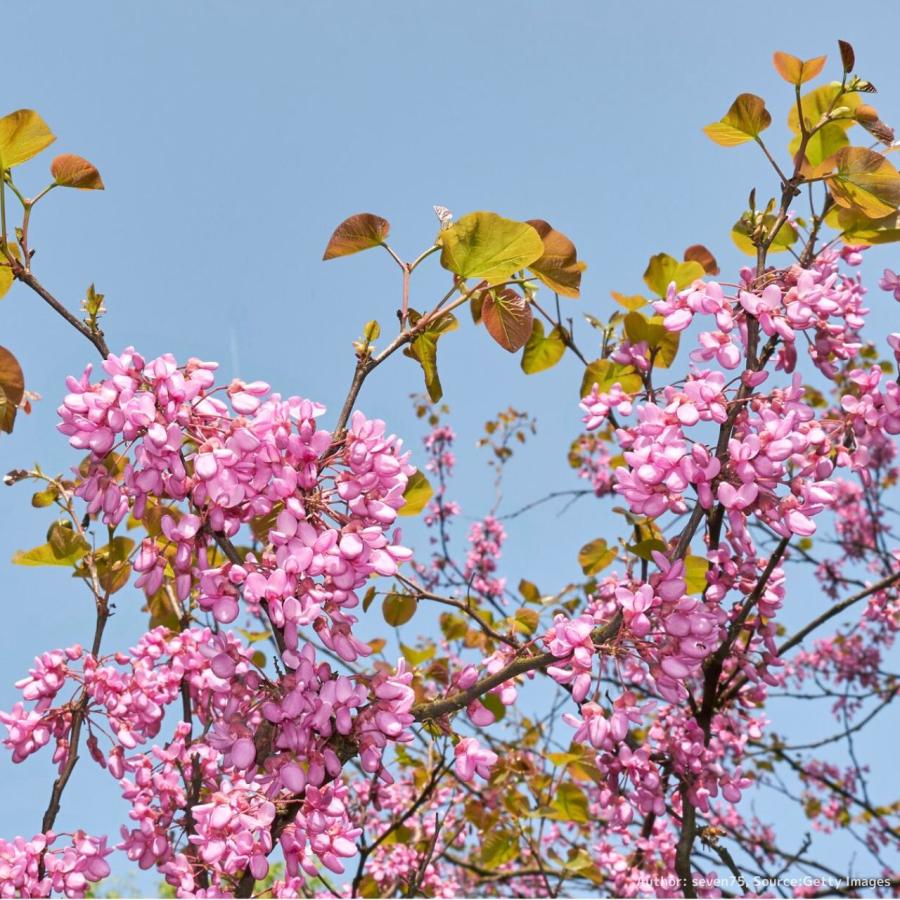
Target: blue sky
<point>233,137</point>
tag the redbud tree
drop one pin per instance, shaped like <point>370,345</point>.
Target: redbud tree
<point>616,736</point>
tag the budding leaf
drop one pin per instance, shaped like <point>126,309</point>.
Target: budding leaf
<point>485,245</point>
<point>742,231</point>
<point>507,316</point>
<point>69,170</point>
<point>359,232</point>
<point>558,266</point>
<point>416,496</point>
<point>743,122</point>
<point>797,71</point>
<point>848,57</point>
<point>23,134</point>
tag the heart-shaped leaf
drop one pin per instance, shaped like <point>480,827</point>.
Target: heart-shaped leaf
<point>69,170</point>
<point>359,232</point>
<point>558,266</point>
<point>23,134</point>
<point>743,122</point>
<point>507,316</point>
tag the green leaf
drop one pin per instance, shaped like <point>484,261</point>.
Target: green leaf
<point>605,374</point>
<point>359,232</point>
<point>542,352</point>
<point>664,269</point>
<point>485,245</point>
<point>493,704</point>
<point>507,316</point>
<point>368,598</point>
<point>498,847</point>
<point>595,556</point>
<point>571,804</point>
<point>398,609</point>
<point>797,71</point>
<point>159,605</point>
<point>69,170</point>
<point>742,230</point>
<point>744,121</point>
<point>50,555</point>
<point>695,569</point>
<point>23,134</point>
<point>864,180</point>
<point>558,266</point>
<point>424,349</point>
<point>644,549</point>
<point>417,494</point>
<point>529,591</point>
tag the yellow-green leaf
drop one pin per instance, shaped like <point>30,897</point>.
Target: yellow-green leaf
<point>663,269</point>
<point>858,228</point>
<point>744,121</point>
<point>507,316</point>
<point>6,279</point>
<point>831,136</point>
<point>605,373</point>
<point>635,301</point>
<point>542,352</point>
<point>498,847</point>
<point>416,657</point>
<point>864,180</point>
<point>417,494</point>
<point>595,556</point>
<point>661,343</point>
<point>526,620</point>
<point>423,349</point>
<point>48,555</point>
<point>571,803</point>
<point>695,569</point>
<point>23,134</point>
<point>558,266</point>
<point>741,235</point>
<point>398,609</point>
<point>485,245</point>
<point>359,232</point>
<point>69,170</point>
<point>797,71</point>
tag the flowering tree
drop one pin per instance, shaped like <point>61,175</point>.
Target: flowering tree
<point>594,737</point>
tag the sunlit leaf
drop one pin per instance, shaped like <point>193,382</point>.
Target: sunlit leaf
<point>542,352</point>
<point>417,494</point>
<point>797,71</point>
<point>635,301</point>
<point>695,568</point>
<point>498,847</point>
<point>865,180</point>
<point>416,657</point>
<point>52,555</point>
<point>662,344</point>
<point>507,316</point>
<point>359,232</point>
<point>558,266</point>
<point>398,609</point>
<point>605,373</point>
<point>663,269</point>
<point>821,101</point>
<point>741,235</point>
<point>23,134</point>
<point>485,245</point>
<point>744,121</point>
<point>645,549</point>
<point>570,803</point>
<point>69,170</point>
<point>526,620</point>
<point>595,556</point>
<point>858,228</point>
<point>529,591</point>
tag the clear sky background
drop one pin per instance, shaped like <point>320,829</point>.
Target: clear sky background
<point>233,137</point>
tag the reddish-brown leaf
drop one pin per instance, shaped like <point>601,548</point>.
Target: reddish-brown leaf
<point>558,266</point>
<point>507,317</point>
<point>699,253</point>
<point>74,171</point>
<point>357,233</point>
